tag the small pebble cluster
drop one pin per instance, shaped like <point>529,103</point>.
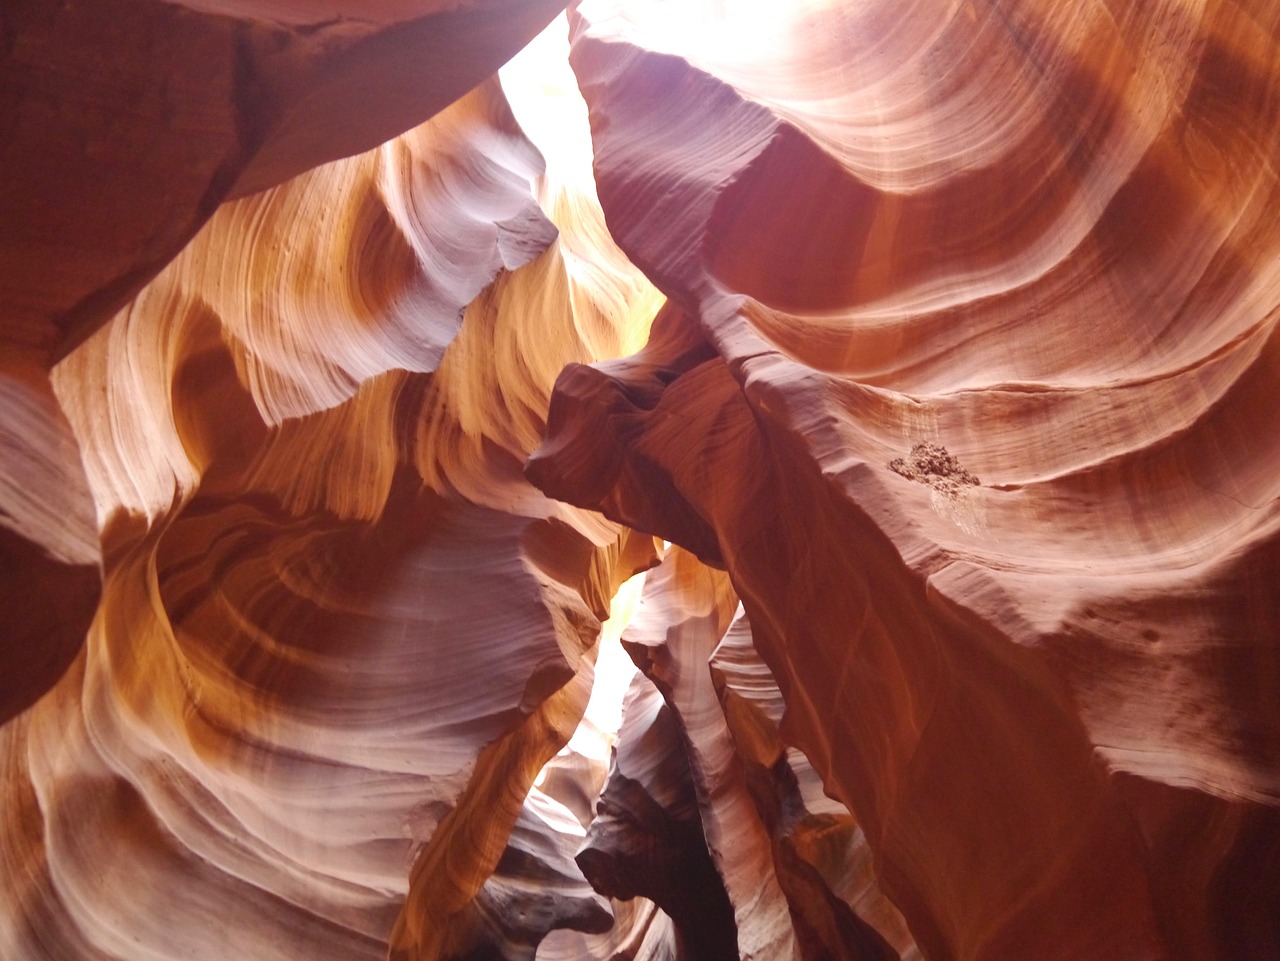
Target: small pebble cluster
<point>932,464</point>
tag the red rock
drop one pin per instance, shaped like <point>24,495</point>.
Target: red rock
<point>964,390</point>
<point>981,674</point>
<point>647,840</point>
<point>124,127</point>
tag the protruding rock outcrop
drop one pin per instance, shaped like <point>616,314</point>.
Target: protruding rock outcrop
<point>535,888</point>
<point>821,856</point>
<point>647,838</point>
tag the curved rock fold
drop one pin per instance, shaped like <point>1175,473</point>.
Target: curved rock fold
<point>344,382</point>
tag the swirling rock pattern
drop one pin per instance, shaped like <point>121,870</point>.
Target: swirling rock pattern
<point>339,633</point>
<point>179,106</point>
<point>124,126</point>
<point>1031,234</point>
<point>686,609</point>
<point>947,364</point>
<point>792,861</point>
<point>647,838</point>
<point>821,857</point>
<point>535,888</point>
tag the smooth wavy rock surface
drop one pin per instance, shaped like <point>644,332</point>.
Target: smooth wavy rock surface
<point>535,888</point>
<point>1038,238</point>
<point>124,125</point>
<point>647,839</point>
<point>821,857</point>
<point>793,864</point>
<point>939,340</point>
<point>339,633</point>
<point>179,106</point>
<point>685,611</point>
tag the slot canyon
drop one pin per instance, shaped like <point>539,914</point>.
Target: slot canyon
<point>662,480</point>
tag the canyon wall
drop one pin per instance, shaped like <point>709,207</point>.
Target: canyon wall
<point>924,355</point>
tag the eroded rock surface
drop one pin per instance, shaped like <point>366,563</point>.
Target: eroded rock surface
<point>124,126</point>
<point>339,633</point>
<point>940,341</point>
<point>647,839</point>
<point>996,231</point>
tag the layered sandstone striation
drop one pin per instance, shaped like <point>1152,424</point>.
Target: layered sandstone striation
<point>339,633</point>
<point>1035,236</point>
<point>124,126</point>
<point>341,390</point>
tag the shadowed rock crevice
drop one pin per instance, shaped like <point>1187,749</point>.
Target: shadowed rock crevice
<point>646,839</point>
